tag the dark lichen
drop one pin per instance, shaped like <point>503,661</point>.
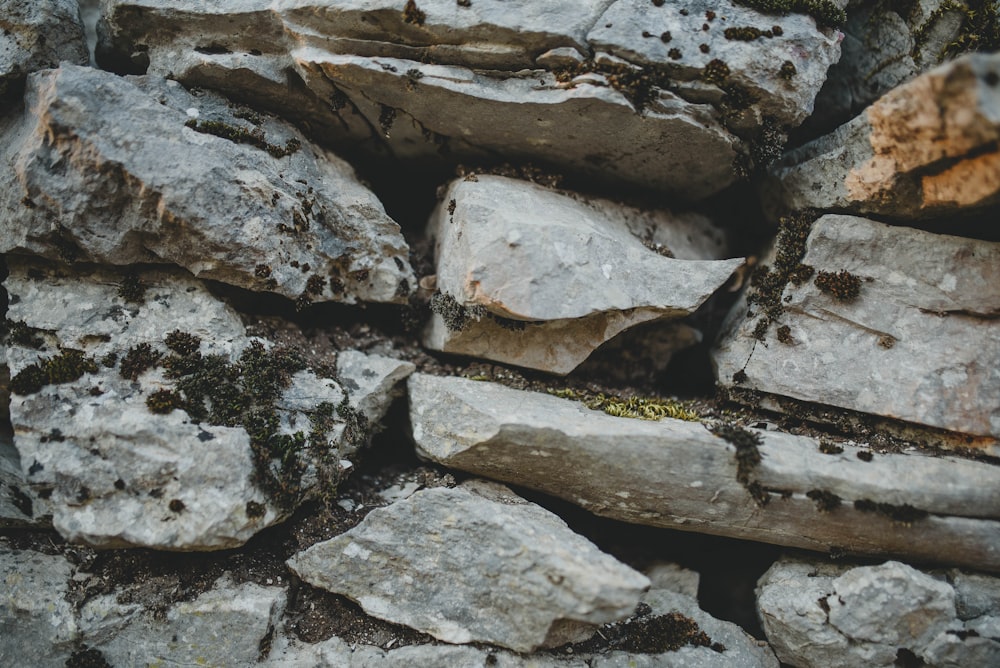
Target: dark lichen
<point>67,366</point>
<point>132,289</point>
<point>842,286</point>
<point>901,514</point>
<point>865,455</point>
<point>255,510</point>
<point>828,448</point>
<point>137,360</point>
<point>787,70</point>
<point>456,316</point>
<point>785,335</point>
<point>182,343</point>
<point>825,501</point>
<point>18,333</point>
<point>825,12</point>
<point>745,442</point>
<point>240,135</point>
<point>413,14</point>
<point>645,633</point>
<point>162,402</point>
<point>715,72</point>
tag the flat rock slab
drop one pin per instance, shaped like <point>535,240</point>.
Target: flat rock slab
<point>475,564</point>
<point>920,342</point>
<point>563,273</point>
<point>120,171</point>
<point>113,440</point>
<point>38,34</point>
<point>680,475</point>
<point>432,77</point>
<point>820,614</point>
<point>926,149</point>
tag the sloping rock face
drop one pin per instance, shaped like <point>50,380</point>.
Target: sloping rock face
<point>539,278</point>
<point>885,320</point>
<point>154,420</point>
<point>123,171</point>
<point>674,473</point>
<point>475,564</point>
<point>690,98</point>
<point>38,34</point>
<point>820,614</point>
<point>925,149</point>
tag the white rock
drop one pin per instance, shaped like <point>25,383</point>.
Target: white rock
<point>38,34</point>
<point>882,352</point>
<point>475,564</point>
<point>678,474</point>
<point>263,209</point>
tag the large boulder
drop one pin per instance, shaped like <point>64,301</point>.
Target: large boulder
<point>146,416</point>
<point>540,278</point>
<point>475,564</point>
<point>722,479</point>
<point>696,91</point>
<point>118,171</point>
<point>885,320</point>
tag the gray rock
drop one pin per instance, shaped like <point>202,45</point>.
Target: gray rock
<point>882,352</point>
<point>570,272</point>
<point>194,181</point>
<point>438,75</point>
<point>818,614</point>
<point>115,473</point>
<point>475,564</point>
<point>678,474</point>
<point>224,626</point>
<point>37,624</point>
<point>20,506</point>
<point>924,150</point>
<point>38,34</point>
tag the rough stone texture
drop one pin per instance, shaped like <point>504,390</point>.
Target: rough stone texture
<point>19,505</point>
<point>38,34</point>
<point>103,169</point>
<point>882,353</point>
<point>37,624</point>
<point>678,474</point>
<point>475,564</point>
<point>438,78</point>
<point>818,614</point>
<point>574,272</point>
<point>224,626</point>
<point>120,475</point>
<point>886,45</point>
<point>926,149</point>
<point>741,649</point>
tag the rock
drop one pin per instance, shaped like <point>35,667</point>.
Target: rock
<point>924,150</point>
<point>886,45</point>
<point>37,624</point>
<point>129,452</point>
<point>740,648</point>
<point>228,625</point>
<point>819,614</point>
<point>539,278</point>
<point>678,474</point>
<point>475,564</point>
<point>880,351</point>
<point>19,505</point>
<point>434,76</point>
<point>195,181</point>
<point>372,382</point>
<point>38,34</point>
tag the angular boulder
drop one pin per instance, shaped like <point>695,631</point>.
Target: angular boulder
<point>475,564</point>
<point>119,171</point>
<point>697,91</point>
<point>540,278</point>
<point>926,149</point>
<point>38,34</point>
<point>147,417</point>
<point>820,614</point>
<point>885,320</point>
<point>766,486</point>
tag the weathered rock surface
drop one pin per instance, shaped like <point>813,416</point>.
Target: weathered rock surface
<point>137,170</point>
<point>926,149</point>
<point>678,474</point>
<point>887,44</point>
<point>819,614</point>
<point>740,648</point>
<point>564,274</point>
<point>20,506</point>
<point>440,74</point>
<point>920,341</point>
<point>38,34</point>
<point>199,456</point>
<point>475,564</point>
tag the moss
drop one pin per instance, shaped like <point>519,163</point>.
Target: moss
<point>785,335</point>
<point>787,70</point>
<point>176,506</point>
<point>901,514</point>
<point>315,284</point>
<point>456,316</point>
<point>743,34</point>
<point>745,442</point>
<point>887,341</point>
<point>87,657</point>
<point>182,343</point>
<point>715,72</point>
<point>826,13</point>
<point>640,408</point>
<point>828,448</point>
<point>255,510</point>
<point>162,402</point>
<point>67,366</point>
<point>865,455</point>
<point>413,14</point>
<point>979,30</point>
<point>825,501</point>
<point>262,271</point>
<point>132,289</point>
<point>239,135</point>
<point>16,332</point>
<point>645,633</point>
<point>842,286</point>
<point>137,360</point>
<point>386,118</point>
<point>768,144</point>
